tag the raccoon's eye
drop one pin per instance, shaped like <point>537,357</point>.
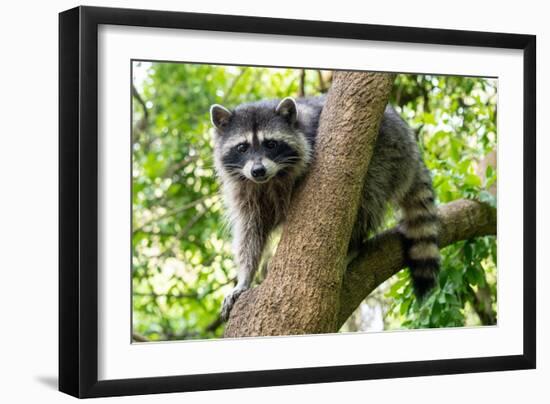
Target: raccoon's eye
<point>271,144</point>
<point>243,147</point>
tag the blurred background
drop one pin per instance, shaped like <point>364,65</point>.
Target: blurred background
<point>182,265</point>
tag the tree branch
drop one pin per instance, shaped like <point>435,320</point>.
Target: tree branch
<point>232,86</point>
<point>139,338</point>
<point>301,292</point>
<point>383,254</point>
<point>302,84</point>
<point>144,122</point>
<point>322,85</point>
<point>174,212</point>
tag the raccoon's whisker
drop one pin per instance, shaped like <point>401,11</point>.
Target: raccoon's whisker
<point>286,164</point>
<point>234,172</point>
<point>288,160</point>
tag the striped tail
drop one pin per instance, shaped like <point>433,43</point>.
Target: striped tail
<point>421,234</point>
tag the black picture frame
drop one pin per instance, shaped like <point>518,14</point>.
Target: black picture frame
<point>78,200</point>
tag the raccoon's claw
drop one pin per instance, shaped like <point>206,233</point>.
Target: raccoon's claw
<point>229,301</point>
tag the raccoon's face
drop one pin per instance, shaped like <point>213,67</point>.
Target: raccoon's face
<point>260,141</point>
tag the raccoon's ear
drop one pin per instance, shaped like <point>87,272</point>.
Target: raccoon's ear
<point>220,116</point>
<point>287,109</point>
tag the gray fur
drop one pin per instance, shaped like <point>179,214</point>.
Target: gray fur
<point>258,204</point>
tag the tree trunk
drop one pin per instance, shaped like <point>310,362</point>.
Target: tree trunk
<point>301,292</point>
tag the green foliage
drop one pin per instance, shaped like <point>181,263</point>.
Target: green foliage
<point>182,264</point>
<point>455,118</point>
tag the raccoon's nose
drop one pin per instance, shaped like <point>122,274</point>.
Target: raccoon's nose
<point>258,171</point>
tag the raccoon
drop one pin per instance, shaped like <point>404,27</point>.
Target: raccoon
<point>263,149</point>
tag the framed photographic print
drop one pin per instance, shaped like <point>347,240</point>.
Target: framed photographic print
<point>251,201</point>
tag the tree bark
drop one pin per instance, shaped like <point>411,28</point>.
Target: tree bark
<point>301,292</point>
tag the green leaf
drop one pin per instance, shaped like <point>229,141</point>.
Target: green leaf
<point>472,180</point>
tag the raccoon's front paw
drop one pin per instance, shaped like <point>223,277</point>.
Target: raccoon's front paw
<point>229,301</point>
